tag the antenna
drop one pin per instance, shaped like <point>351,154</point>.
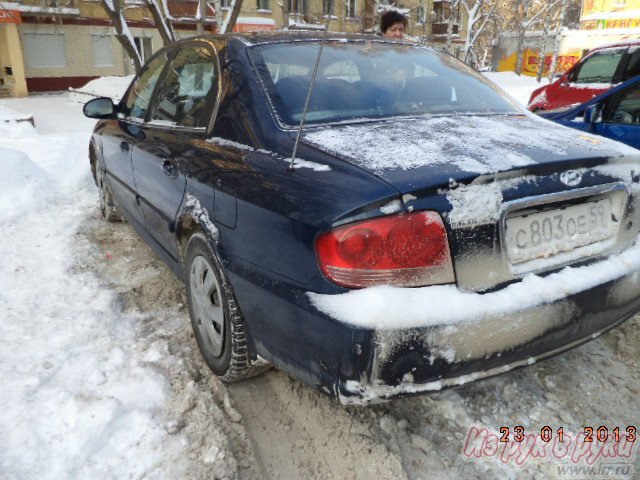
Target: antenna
<point>313,81</point>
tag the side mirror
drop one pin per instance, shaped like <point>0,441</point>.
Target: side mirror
<point>593,113</point>
<point>99,108</point>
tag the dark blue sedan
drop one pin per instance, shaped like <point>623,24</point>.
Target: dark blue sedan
<point>614,114</point>
<point>421,230</point>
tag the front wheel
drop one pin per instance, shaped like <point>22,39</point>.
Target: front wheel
<point>216,320</point>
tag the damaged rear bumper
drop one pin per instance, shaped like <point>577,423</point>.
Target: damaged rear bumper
<point>418,360</point>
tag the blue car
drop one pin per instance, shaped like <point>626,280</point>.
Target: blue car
<point>419,231</point>
<point>614,114</point>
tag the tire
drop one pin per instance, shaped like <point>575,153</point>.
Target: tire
<point>108,207</point>
<point>215,317</point>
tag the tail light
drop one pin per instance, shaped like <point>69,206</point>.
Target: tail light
<point>408,249</point>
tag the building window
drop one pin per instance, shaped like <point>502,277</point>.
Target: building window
<point>327,6</point>
<point>298,6</point>
<point>102,53</point>
<point>45,50</point>
<point>422,15</point>
<point>352,8</point>
<point>264,5</point>
<point>143,44</point>
<point>442,12</point>
<point>225,3</point>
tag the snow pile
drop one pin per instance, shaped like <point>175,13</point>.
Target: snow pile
<point>471,143</point>
<point>23,185</point>
<point>110,87</point>
<point>519,87</point>
<point>85,393</point>
<point>9,115</point>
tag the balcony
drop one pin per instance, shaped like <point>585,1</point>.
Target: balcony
<point>441,28</point>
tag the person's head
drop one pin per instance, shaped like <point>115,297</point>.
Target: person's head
<point>393,24</point>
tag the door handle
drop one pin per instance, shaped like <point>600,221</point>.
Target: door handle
<point>124,147</point>
<point>169,168</point>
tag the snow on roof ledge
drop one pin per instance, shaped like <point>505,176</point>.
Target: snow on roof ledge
<point>38,9</point>
<point>392,8</point>
<point>305,26</point>
<point>256,21</point>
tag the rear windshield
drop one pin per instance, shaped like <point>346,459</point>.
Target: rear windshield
<point>364,80</point>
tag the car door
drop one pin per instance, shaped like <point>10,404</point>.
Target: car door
<point>120,136</point>
<point>179,118</point>
<point>621,118</point>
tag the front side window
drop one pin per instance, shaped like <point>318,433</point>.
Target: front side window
<point>371,80</point>
<point>186,95</point>
<point>599,68</point>
<point>136,103</point>
<point>626,107</point>
<point>264,5</point>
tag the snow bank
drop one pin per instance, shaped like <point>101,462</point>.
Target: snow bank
<point>519,87</point>
<point>111,87</point>
<point>8,115</point>
<point>85,393</point>
<point>23,185</point>
<point>387,307</point>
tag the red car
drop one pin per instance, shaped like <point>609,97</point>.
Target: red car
<point>603,68</point>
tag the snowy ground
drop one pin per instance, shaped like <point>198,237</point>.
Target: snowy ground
<point>101,377</point>
<point>519,87</point>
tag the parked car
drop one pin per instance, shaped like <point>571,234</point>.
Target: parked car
<point>603,68</point>
<point>614,114</point>
<point>417,240</point>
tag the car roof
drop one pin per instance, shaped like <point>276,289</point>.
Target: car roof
<point>623,43</point>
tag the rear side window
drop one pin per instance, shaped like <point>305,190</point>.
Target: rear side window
<point>136,104</point>
<point>600,67</point>
<point>187,93</point>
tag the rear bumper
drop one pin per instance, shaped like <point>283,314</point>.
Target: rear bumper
<point>368,362</point>
<point>414,361</point>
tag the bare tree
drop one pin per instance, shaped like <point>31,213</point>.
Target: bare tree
<point>285,14</point>
<point>479,13</point>
<point>232,16</point>
<point>529,13</point>
<point>162,19</point>
<point>556,42</point>
<point>455,5</point>
<point>123,34</point>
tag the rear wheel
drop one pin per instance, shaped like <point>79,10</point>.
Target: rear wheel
<point>108,207</point>
<point>216,320</point>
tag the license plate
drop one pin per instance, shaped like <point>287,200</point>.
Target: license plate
<point>548,233</point>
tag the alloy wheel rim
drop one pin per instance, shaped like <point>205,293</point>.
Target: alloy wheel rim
<point>207,304</point>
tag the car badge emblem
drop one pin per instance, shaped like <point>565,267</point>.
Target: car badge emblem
<point>571,178</point>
